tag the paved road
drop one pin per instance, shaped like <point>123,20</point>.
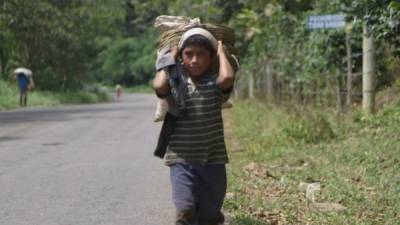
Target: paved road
<point>83,165</point>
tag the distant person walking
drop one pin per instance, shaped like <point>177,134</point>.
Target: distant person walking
<point>118,91</point>
<point>25,83</point>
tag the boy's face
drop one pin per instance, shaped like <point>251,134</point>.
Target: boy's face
<point>196,59</point>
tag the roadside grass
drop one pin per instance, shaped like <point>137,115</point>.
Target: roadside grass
<point>139,89</point>
<point>354,157</point>
<point>9,97</point>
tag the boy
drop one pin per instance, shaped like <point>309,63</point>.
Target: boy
<point>196,152</point>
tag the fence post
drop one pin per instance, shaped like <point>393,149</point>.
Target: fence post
<point>368,102</point>
<point>251,85</point>
<point>270,82</point>
<point>339,92</point>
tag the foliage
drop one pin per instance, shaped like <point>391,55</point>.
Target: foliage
<point>53,38</point>
<point>63,42</point>
<point>275,33</point>
<point>313,129</point>
<point>382,16</point>
<point>128,60</point>
<point>68,43</point>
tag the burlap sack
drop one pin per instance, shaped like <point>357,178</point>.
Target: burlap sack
<point>172,27</point>
<point>161,110</point>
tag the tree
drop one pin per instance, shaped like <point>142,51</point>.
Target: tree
<point>54,38</point>
<point>274,33</point>
<point>128,60</point>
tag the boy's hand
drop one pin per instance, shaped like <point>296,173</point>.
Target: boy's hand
<point>166,57</point>
<point>174,51</point>
<point>221,49</point>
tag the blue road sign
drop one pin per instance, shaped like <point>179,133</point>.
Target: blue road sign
<point>326,21</point>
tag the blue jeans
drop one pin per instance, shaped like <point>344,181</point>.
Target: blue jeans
<point>198,193</point>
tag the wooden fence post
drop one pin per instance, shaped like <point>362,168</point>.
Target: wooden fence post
<point>368,102</point>
<point>251,85</point>
<point>339,91</point>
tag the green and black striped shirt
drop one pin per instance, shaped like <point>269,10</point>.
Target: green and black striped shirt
<point>198,137</point>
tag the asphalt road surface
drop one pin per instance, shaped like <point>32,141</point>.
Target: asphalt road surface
<point>83,165</point>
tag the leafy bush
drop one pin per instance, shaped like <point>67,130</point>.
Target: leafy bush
<point>8,95</point>
<point>387,116</point>
<point>312,128</point>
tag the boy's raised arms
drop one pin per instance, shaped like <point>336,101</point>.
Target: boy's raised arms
<point>160,82</point>
<point>226,76</point>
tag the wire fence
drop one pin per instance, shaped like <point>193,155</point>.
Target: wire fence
<point>321,91</point>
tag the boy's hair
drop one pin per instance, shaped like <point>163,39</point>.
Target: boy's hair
<point>198,40</point>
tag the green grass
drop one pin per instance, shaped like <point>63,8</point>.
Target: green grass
<point>138,89</point>
<point>82,97</point>
<point>355,157</point>
<point>9,97</point>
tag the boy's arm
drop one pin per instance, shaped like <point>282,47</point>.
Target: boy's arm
<point>226,75</point>
<point>160,83</point>
<point>165,58</point>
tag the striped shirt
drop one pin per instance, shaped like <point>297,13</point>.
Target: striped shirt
<point>198,137</point>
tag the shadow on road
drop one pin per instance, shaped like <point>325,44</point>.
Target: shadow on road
<point>9,138</point>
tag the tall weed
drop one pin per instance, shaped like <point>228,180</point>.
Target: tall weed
<point>314,127</point>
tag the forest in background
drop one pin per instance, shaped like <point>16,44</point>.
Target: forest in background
<point>71,43</point>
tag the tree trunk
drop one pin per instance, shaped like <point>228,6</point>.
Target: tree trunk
<point>349,69</point>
